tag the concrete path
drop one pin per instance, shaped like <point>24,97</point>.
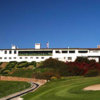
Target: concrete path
<point>16,96</point>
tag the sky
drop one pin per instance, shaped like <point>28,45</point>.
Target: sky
<point>62,23</point>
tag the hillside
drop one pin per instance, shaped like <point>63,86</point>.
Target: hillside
<point>70,88</point>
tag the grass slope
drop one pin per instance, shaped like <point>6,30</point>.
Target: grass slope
<point>9,87</point>
<point>27,73</point>
<point>66,89</point>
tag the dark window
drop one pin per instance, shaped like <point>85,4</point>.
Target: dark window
<point>9,57</point>
<point>71,51</point>
<point>10,52</point>
<point>34,53</point>
<point>14,57</point>
<point>20,57</point>
<point>31,57</point>
<point>64,51</point>
<point>25,57</point>
<point>69,58</point>
<point>0,57</point>
<point>5,57</point>
<point>14,52</point>
<point>82,51</point>
<point>42,57</point>
<point>57,51</point>
<point>5,52</point>
<point>37,57</point>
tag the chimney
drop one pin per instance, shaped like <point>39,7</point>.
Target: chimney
<point>47,44</point>
<point>13,47</point>
<point>98,46</point>
<point>37,45</point>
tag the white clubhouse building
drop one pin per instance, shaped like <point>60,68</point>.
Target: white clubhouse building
<point>39,54</point>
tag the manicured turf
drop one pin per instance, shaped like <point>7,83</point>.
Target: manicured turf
<point>70,88</point>
<point>9,87</point>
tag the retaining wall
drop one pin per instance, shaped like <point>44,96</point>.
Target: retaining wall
<point>9,78</point>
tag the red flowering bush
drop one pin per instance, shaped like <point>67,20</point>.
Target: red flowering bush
<point>81,66</point>
<point>92,73</point>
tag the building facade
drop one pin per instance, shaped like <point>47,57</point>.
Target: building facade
<point>40,54</point>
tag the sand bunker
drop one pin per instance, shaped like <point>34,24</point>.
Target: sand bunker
<point>93,87</point>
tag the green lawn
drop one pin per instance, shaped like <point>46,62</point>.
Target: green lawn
<point>9,87</point>
<point>70,88</point>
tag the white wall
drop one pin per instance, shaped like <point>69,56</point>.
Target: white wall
<point>61,56</point>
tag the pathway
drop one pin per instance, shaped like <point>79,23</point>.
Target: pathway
<point>35,83</point>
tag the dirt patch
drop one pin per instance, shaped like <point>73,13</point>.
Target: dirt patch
<point>4,64</point>
<point>92,87</point>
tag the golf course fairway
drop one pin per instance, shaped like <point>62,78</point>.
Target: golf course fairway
<point>70,88</point>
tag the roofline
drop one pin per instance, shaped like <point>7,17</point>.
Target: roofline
<point>51,48</point>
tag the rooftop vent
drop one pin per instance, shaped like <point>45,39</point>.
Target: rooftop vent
<point>13,47</point>
<point>37,45</point>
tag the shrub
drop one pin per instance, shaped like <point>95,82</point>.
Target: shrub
<point>45,75</point>
<point>53,78</point>
<point>74,71</point>
<point>51,63</point>
<point>0,63</point>
<point>38,75</point>
<point>92,73</point>
<point>54,68</point>
<point>33,63</point>
<point>10,65</point>
<point>6,72</point>
<point>22,64</point>
<point>38,64</point>
<point>82,59</point>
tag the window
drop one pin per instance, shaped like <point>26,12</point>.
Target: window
<point>82,51</point>
<point>37,57</point>
<point>64,57</point>
<point>0,57</point>
<point>95,51</point>
<point>9,57</point>
<point>64,51</point>
<point>34,53</point>
<point>5,57</point>
<point>31,57</point>
<point>10,52</point>
<point>25,57</point>
<point>69,58</point>
<point>14,57</point>
<point>14,52</point>
<point>57,51</point>
<point>71,51</point>
<point>20,57</point>
<point>42,57</point>
<point>5,52</point>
